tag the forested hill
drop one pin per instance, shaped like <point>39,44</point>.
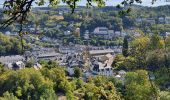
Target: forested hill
<point>53,22</point>
<point>163,9</point>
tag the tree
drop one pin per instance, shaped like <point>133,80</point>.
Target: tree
<point>26,84</point>
<point>138,86</point>
<point>164,95</point>
<point>77,72</point>
<point>125,47</point>
<point>2,68</point>
<point>155,59</point>
<point>29,63</point>
<point>9,45</point>
<point>138,51</point>
<point>100,88</point>
<point>156,42</point>
<point>8,96</point>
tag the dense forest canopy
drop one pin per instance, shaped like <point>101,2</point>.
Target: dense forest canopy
<point>9,45</point>
<point>50,83</point>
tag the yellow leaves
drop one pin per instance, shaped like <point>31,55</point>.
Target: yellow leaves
<point>54,3</point>
<point>140,32</point>
<point>18,92</point>
<point>141,43</point>
<point>100,3</point>
<point>140,40</point>
<point>56,17</point>
<point>4,39</point>
<point>5,76</point>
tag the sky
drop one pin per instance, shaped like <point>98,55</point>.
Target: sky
<point>115,2</point>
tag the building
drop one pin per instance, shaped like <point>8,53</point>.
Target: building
<point>164,20</point>
<point>101,52</point>
<point>161,20</point>
<point>11,59</point>
<point>16,65</point>
<point>167,20</point>
<point>74,60</point>
<point>164,34</point>
<point>103,32</point>
<point>102,65</point>
<point>121,75</point>
<point>117,34</point>
<point>70,49</point>
<point>139,20</point>
<point>48,56</point>
<point>41,53</point>
<point>67,33</point>
<point>37,66</point>
<point>150,20</point>
<point>86,35</point>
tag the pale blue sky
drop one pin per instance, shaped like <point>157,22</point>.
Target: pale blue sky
<point>115,2</point>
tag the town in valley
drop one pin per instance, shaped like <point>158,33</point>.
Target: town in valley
<point>94,46</point>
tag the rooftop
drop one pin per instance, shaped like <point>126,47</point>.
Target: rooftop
<point>105,51</point>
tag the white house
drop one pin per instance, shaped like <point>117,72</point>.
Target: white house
<point>16,65</point>
<point>103,32</point>
<point>102,66</point>
<point>67,33</point>
<point>86,35</point>
<point>102,69</point>
<point>121,75</point>
<point>37,66</point>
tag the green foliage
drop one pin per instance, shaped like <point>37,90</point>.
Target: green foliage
<point>156,59</point>
<point>9,45</point>
<point>47,83</point>
<point>138,86</point>
<point>2,69</point>
<point>26,83</point>
<point>162,77</point>
<point>160,27</point>
<point>101,88</point>
<point>156,42</point>
<point>8,96</point>
<point>138,51</point>
<point>125,47</point>
<point>29,63</point>
<point>77,72</point>
<point>144,53</point>
<point>164,95</point>
<point>49,65</point>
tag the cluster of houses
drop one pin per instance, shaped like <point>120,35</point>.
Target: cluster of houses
<point>13,62</point>
<point>159,20</point>
<point>99,59</point>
